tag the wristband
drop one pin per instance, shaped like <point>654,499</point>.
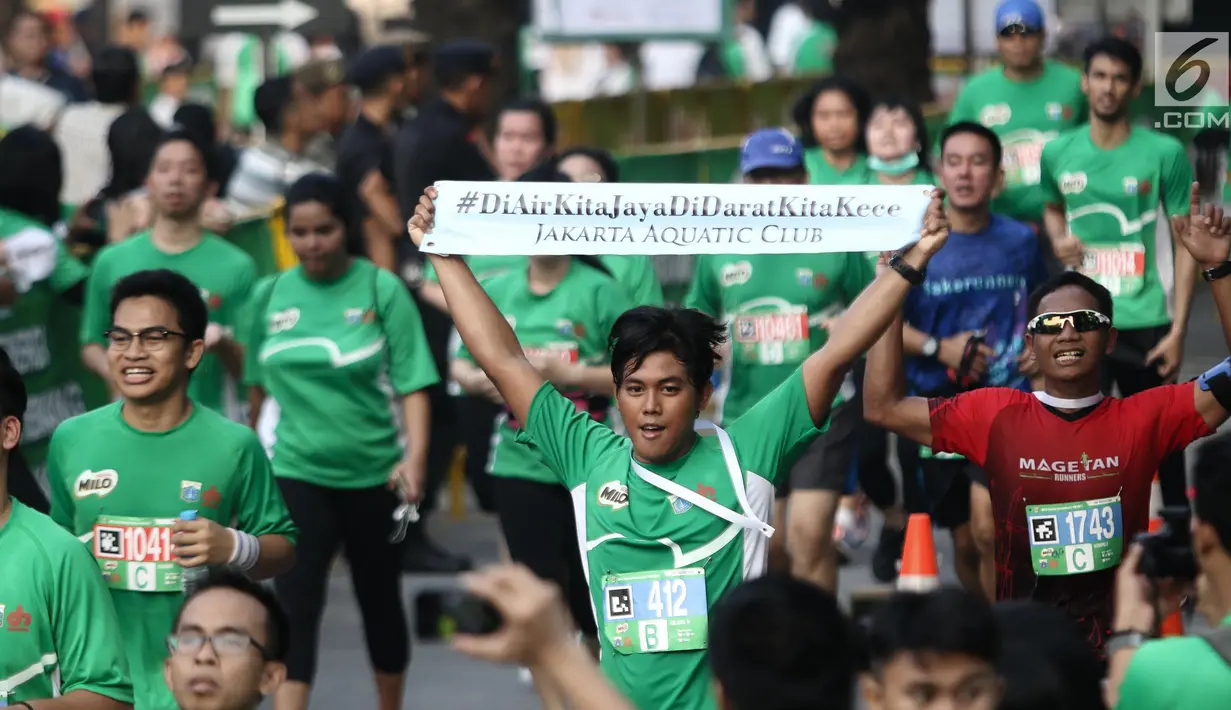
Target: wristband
<point>245,552</point>
<point>906,271</point>
<point>1218,272</point>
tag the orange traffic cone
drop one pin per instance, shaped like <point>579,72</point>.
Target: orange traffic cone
<point>918,573</point>
<point>1173,624</point>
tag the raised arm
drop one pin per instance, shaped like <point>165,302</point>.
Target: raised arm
<point>870,314</point>
<point>486,333</point>
<point>885,403</point>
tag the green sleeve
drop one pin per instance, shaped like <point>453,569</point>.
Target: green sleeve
<point>856,276</point>
<point>411,366</point>
<point>262,511</point>
<point>85,629</point>
<point>775,431</point>
<point>68,271</point>
<point>1177,179</point>
<point>1138,690</point>
<point>96,316</point>
<point>1047,179</point>
<point>568,440</point>
<point>62,509</point>
<point>250,331</point>
<point>702,293</point>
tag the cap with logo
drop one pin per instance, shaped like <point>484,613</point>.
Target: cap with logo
<point>771,148</point>
<point>321,75</point>
<point>1024,14</point>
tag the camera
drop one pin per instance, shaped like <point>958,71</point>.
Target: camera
<point>471,614</point>
<point>1168,553</point>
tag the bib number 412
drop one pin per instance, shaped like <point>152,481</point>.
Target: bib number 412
<point>667,598</point>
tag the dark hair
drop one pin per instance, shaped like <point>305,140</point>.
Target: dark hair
<point>1045,661</point>
<point>1118,49</point>
<point>1213,489</point>
<point>31,182</point>
<point>277,624</point>
<point>325,189</point>
<point>947,621</point>
<point>138,15</point>
<point>116,75</point>
<point>133,139</point>
<point>912,109</point>
<point>688,334</point>
<point>546,172</point>
<point>1102,297</point>
<point>181,134</point>
<point>978,129</point>
<point>546,116</point>
<point>172,287</point>
<point>13,395</point>
<point>777,643</point>
<point>606,163</point>
<point>21,14</point>
<point>197,120</point>
<point>272,102</point>
<point>805,104</point>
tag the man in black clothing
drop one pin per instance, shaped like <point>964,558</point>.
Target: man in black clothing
<point>443,143</point>
<point>365,154</point>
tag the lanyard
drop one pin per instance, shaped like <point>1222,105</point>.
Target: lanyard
<point>748,522</point>
<point>1062,403</point>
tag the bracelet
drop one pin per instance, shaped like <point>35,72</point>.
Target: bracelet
<point>1121,633</point>
<point>246,551</point>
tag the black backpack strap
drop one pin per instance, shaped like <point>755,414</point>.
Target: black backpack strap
<point>1219,639</point>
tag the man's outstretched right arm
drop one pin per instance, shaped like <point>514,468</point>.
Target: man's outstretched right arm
<point>885,403</point>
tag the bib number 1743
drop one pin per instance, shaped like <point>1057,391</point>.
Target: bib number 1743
<point>1091,524</point>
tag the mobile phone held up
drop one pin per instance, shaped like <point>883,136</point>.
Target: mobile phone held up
<point>441,613</point>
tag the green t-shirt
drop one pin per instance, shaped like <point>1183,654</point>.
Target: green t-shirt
<point>43,270</point>
<point>1112,199</point>
<point>56,618</point>
<point>632,526</point>
<point>814,55</point>
<point>99,469</point>
<point>1025,115</point>
<point>483,267</point>
<point>820,172</point>
<point>774,306</point>
<point>572,323</point>
<point>636,274</point>
<point>223,272</point>
<point>1162,672</point>
<point>336,348</point>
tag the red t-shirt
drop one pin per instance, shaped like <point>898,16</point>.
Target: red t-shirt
<point>1033,455</point>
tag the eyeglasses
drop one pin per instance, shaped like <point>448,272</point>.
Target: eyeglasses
<point>152,339</point>
<point>227,643</point>
<point>1083,321</point>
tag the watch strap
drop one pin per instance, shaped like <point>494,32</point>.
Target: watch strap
<point>1123,641</point>
<point>1218,272</point>
<point>914,276</point>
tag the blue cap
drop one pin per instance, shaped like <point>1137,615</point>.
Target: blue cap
<point>1019,13</point>
<point>771,148</point>
<point>188,515</point>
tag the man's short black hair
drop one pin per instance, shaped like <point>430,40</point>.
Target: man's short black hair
<point>1119,49</point>
<point>978,129</point>
<point>547,117</point>
<point>610,168</point>
<point>193,138</point>
<point>457,60</point>
<point>1102,297</point>
<point>945,621</point>
<point>277,625</point>
<point>273,101</point>
<point>116,75</point>
<point>1213,487</point>
<point>172,287</point>
<point>13,395</point>
<point>778,643</point>
<point>1045,661</point>
<point>688,334</point>
<point>138,16</point>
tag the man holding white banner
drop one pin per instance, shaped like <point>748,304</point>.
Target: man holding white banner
<point>669,520</point>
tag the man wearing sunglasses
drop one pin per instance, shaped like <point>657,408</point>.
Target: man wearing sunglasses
<point>228,646</point>
<point>1069,470</point>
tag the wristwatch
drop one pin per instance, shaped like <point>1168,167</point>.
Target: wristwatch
<point>906,271</point>
<point>1218,272</point>
<point>931,346</point>
<point>1124,640</point>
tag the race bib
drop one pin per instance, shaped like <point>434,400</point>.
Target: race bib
<point>135,555</point>
<point>1121,268</point>
<point>656,612</point>
<point>926,452</point>
<point>773,338</point>
<point>1075,538</point>
<point>1021,162</point>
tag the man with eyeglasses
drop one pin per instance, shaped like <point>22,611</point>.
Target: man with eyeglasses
<point>228,646</point>
<point>57,627</point>
<point>122,476</point>
<point>1069,470</point>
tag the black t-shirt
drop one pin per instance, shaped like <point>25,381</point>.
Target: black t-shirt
<point>363,147</point>
<point>435,145</point>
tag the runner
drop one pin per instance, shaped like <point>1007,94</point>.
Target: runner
<point>322,341</point>
<point>56,619</point>
<point>831,118</point>
<point>1069,470</point>
<point>122,475</point>
<point>897,139</point>
<point>965,329</point>
<point>643,536</point>
<point>1104,186</point>
<point>775,308</point>
<point>561,309</point>
<point>1027,101</point>
<point>178,184</point>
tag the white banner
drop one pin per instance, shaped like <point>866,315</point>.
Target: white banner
<point>529,218</point>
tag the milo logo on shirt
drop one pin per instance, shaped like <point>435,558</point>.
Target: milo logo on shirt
<point>736,274</point>
<point>283,320</point>
<point>995,115</point>
<point>613,494</point>
<point>96,483</point>
<point>1072,183</point>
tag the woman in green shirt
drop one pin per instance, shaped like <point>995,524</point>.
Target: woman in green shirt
<point>898,143</point>
<point>329,341</point>
<point>831,118</point>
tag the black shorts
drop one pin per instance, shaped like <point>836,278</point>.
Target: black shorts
<point>539,527</point>
<point>946,485</point>
<point>826,465</point>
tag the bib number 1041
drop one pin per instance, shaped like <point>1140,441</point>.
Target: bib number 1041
<point>1090,524</point>
<point>667,598</point>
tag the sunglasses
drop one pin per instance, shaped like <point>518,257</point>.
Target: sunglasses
<point>1083,321</point>
<point>1018,30</point>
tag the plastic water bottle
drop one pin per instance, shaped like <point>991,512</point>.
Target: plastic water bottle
<point>191,577</point>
